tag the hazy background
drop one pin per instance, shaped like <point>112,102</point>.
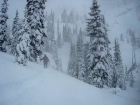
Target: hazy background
<point>110,8</point>
<point>82,6</point>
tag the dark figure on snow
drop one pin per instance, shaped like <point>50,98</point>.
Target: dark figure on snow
<point>46,60</point>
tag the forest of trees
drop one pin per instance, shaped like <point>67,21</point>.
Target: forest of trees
<point>91,62</point>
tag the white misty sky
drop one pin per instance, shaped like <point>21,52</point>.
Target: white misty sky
<point>56,5</point>
<point>81,6</point>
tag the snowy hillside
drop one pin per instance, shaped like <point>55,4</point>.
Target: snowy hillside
<point>92,46</point>
<point>34,85</point>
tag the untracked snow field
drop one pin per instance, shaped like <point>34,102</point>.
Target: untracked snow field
<point>34,85</point>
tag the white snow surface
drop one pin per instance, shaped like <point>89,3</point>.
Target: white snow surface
<point>34,85</point>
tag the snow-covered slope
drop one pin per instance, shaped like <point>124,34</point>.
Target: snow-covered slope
<point>34,85</point>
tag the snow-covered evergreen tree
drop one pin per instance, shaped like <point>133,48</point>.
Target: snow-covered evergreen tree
<point>59,40</point>
<point>8,41</point>
<point>49,30</point>
<point>131,79</point>
<point>99,58</point>
<point>22,39</point>
<point>111,69</point>
<point>57,61</point>
<point>55,55</point>
<point>76,66</point>
<point>79,44</point>
<point>53,27</point>
<point>23,43</point>
<point>72,65</point>
<point>126,74</point>
<point>3,24</point>
<point>75,31</point>
<point>67,33</point>
<point>23,49</point>
<point>70,34</point>
<point>50,17</point>
<point>15,29</point>
<point>64,33</point>
<point>35,19</point>
<point>81,69</point>
<point>114,79</point>
<point>15,24</point>
<point>132,38</point>
<point>119,66</point>
<point>54,46</point>
<point>71,17</point>
<point>47,45</point>
<point>25,13</point>
<point>86,48</point>
<point>64,16</point>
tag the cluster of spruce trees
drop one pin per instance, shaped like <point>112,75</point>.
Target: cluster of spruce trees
<point>27,34</point>
<point>92,62</point>
<point>52,44</point>
<point>69,18</point>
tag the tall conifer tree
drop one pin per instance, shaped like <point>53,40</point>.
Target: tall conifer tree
<point>3,24</point>
<point>119,66</point>
<point>36,19</point>
<point>99,57</point>
<point>15,31</point>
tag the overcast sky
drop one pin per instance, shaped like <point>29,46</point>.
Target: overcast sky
<point>81,6</point>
